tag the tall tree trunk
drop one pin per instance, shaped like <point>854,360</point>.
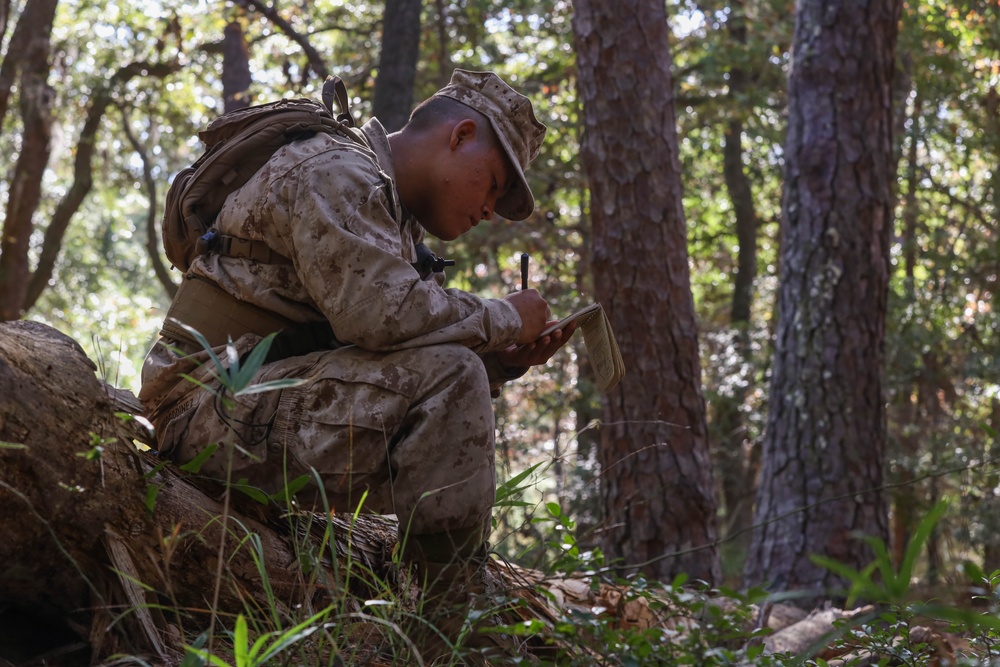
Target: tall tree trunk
<point>27,54</point>
<point>236,78</point>
<point>656,481</point>
<point>397,63</point>
<point>825,437</point>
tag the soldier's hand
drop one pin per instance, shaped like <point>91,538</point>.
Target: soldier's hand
<point>534,313</point>
<point>538,351</point>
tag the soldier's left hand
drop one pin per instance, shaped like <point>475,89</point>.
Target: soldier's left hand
<point>538,351</point>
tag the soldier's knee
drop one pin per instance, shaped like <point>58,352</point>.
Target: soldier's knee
<point>460,366</point>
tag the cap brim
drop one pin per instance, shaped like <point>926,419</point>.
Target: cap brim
<point>518,202</point>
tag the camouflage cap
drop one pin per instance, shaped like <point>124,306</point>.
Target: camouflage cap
<point>514,123</point>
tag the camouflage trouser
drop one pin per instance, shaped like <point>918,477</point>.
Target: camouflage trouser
<point>412,428</point>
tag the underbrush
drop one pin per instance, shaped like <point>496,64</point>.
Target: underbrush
<point>617,621</point>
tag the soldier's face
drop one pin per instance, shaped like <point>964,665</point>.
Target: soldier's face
<point>471,176</point>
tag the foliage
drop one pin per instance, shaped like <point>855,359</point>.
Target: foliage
<point>892,585</point>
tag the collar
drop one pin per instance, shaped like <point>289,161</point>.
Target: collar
<point>378,138</point>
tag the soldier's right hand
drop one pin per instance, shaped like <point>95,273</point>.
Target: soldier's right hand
<point>534,312</point>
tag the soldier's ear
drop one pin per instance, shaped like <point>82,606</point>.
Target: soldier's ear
<point>464,130</point>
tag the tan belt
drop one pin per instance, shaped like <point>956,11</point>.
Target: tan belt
<point>220,317</point>
<point>217,315</point>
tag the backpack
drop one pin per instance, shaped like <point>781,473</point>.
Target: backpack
<point>237,144</point>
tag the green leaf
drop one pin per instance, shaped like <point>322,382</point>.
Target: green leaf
<point>200,384</point>
<point>233,357</point>
<point>861,583</point>
<point>291,488</point>
<point>12,445</point>
<point>294,634</point>
<point>208,657</point>
<point>155,469</point>
<point>270,385</point>
<point>240,642</point>
<point>511,486</point>
<point>191,656</point>
<point>252,364</point>
<point>195,464</point>
<point>244,487</point>
<point>203,342</point>
<point>152,491</point>
<point>920,536</point>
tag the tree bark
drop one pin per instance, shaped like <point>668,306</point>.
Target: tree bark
<point>27,55</point>
<point>656,481</point>
<point>236,77</point>
<point>825,436</point>
<point>397,65</point>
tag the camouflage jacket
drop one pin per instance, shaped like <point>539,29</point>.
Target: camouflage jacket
<point>331,206</point>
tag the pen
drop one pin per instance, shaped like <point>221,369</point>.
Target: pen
<point>524,271</point>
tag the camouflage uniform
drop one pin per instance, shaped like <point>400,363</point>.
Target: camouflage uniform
<point>402,408</point>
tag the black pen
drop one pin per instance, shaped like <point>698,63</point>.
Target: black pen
<point>524,271</point>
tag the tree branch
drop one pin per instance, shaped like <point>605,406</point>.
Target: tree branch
<point>315,61</point>
<point>83,171</point>
<point>152,246</point>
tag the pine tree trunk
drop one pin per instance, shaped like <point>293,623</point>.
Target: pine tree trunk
<point>656,480</point>
<point>397,65</point>
<point>825,436</point>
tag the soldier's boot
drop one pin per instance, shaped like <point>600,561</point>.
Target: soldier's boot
<point>457,602</point>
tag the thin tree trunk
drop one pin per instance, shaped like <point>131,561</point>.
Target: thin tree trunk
<point>397,64</point>
<point>27,55</point>
<point>236,78</point>
<point>905,499</point>
<point>732,453</point>
<point>656,482</point>
<point>444,53</point>
<point>152,237</point>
